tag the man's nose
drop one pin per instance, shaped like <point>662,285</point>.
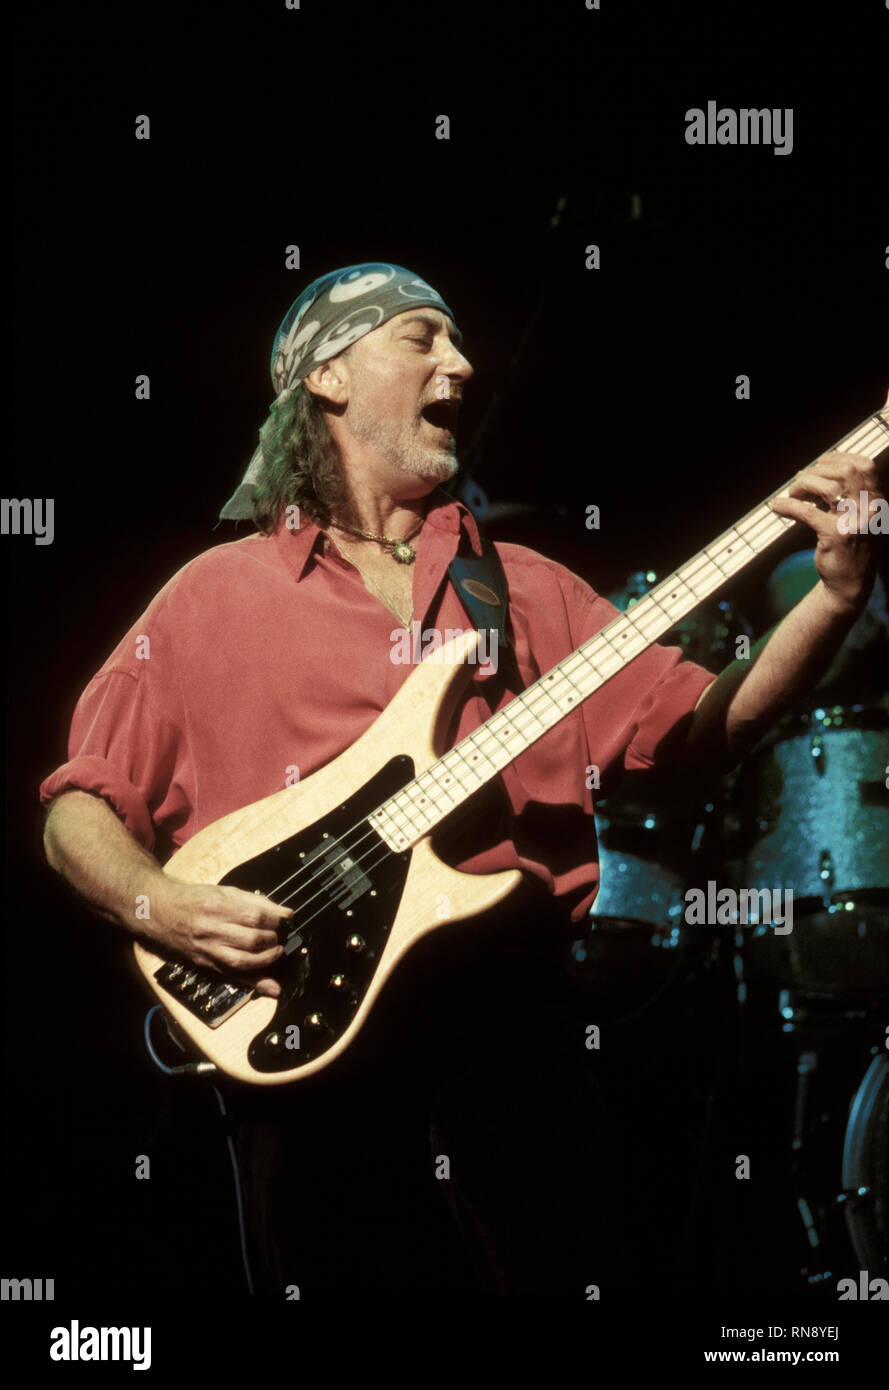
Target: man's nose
<point>454,364</point>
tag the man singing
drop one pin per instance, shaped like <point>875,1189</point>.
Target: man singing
<point>266,658</point>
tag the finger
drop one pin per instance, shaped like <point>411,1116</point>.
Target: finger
<point>275,910</point>
<point>840,458</point>
<point>253,903</point>
<point>807,512</point>
<point>232,959</point>
<point>242,973</point>
<point>810,482</point>
<point>851,469</point>
<point>253,940</point>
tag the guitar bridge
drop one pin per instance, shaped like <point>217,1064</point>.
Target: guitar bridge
<point>210,999</point>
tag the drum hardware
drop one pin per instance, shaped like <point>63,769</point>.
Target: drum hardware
<point>738,968</point>
<point>822,1013</point>
<point>865,1172</point>
<point>700,829</point>
<point>806,1066</point>
<point>816,748</point>
<point>838,1163</point>
<point>808,1225</point>
<point>815,1155</point>
<point>854,1192</point>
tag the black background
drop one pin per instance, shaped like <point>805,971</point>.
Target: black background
<point>316,127</point>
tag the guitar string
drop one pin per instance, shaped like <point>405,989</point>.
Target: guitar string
<point>871,436</point>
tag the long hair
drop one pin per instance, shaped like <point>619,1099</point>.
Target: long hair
<point>300,463</point>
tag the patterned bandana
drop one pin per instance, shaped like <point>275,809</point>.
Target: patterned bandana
<point>332,313</point>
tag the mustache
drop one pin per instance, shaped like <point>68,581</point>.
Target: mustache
<point>454,396</point>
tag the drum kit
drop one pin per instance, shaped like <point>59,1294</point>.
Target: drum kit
<point>807,813</point>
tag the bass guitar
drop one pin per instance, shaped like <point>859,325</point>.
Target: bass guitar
<point>348,849</point>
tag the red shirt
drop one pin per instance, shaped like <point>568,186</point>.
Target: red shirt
<point>268,653</point>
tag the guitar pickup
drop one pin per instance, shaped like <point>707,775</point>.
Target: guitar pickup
<point>206,996</point>
<point>343,882</point>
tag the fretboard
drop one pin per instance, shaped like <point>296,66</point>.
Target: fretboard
<point>424,802</point>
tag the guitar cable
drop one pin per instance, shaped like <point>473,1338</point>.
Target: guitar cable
<point>204,1069</point>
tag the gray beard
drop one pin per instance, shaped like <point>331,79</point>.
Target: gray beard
<point>403,449</point>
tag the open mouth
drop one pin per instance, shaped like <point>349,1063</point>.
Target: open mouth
<point>442,414</point>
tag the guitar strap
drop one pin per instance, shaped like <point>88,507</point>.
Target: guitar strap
<point>483,590</point>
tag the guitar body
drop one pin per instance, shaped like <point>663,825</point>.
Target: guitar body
<point>359,906</point>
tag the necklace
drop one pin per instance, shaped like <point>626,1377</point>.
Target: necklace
<point>399,549</point>
<point>387,599</point>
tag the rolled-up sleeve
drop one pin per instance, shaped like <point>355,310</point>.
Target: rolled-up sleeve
<point>663,718</point>
<point>126,744</point>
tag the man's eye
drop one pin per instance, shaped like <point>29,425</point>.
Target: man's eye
<point>427,342</point>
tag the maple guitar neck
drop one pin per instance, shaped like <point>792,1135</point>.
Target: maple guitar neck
<point>423,803</point>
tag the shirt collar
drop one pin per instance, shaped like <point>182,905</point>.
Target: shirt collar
<point>445,513</point>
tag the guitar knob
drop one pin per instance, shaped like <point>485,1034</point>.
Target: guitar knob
<point>357,944</point>
<point>338,982</point>
<point>315,1021</point>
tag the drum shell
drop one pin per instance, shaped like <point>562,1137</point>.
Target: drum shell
<point>637,939</point>
<point>812,810</point>
<point>815,811</point>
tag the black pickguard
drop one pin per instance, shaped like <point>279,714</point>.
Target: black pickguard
<point>345,903</point>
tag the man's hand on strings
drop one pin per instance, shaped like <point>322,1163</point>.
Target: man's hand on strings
<point>220,928</point>
<point>836,498</point>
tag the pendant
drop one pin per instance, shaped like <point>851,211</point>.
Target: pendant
<point>404,553</point>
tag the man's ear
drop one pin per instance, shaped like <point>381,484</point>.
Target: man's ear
<point>330,381</point>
